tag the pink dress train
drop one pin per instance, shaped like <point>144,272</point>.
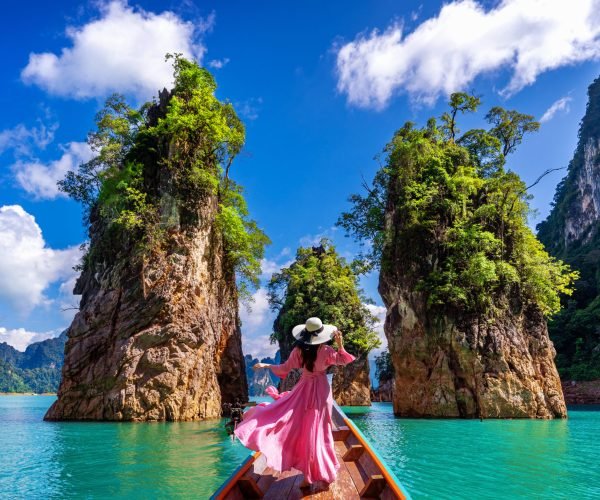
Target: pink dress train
<point>295,430</point>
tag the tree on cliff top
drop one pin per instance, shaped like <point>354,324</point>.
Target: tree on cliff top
<point>195,138</point>
<point>320,283</point>
<point>458,231</point>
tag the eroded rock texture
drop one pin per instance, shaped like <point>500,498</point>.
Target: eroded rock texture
<point>156,338</point>
<point>469,367</point>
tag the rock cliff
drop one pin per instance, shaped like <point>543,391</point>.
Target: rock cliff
<point>572,233</point>
<point>320,283</point>
<point>469,367</point>
<point>466,284</point>
<point>157,335</point>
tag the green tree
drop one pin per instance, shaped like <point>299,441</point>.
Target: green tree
<point>187,140</point>
<point>320,283</point>
<point>459,225</point>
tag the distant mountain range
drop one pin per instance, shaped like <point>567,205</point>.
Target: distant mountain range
<point>35,370</point>
<point>259,380</point>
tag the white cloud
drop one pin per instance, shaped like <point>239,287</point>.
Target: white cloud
<point>257,325</point>
<point>379,312</point>
<point>27,266</point>
<point>256,313</point>
<point>446,53</point>
<point>269,267</point>
<point>39,179</point>
<point>259,346</point>
<point>249,108</point>
<point>312,240</point>
<point>20,338</point>
<point>561,105</point>
<point>121,51</point>
<point>218,63</point>
<point>21,139</point>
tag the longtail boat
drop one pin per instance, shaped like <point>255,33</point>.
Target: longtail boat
<point>362,474</point>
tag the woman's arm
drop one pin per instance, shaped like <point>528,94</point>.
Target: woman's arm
<point>283,369</point>
<point>341,357</point>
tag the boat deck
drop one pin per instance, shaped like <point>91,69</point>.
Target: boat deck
<point>361,475</point>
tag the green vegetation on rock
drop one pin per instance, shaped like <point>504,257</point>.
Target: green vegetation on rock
<point>320,283</point>
<point>459,230</point>
<point>150,172</point>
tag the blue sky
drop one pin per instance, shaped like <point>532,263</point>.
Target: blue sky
<point>321,86</point>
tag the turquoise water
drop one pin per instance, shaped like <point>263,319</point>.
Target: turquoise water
<point>432,458</point>
<point>109,460</point>
<point>489,459</point>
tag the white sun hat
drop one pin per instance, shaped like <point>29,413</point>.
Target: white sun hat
<point>313,332</point>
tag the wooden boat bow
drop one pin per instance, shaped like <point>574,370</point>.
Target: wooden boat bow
<point>363,474</point>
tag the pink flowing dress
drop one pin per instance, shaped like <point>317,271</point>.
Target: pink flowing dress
<point>295,430</point>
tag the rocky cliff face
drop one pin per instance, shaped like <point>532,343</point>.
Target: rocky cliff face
<point>469,367</point>
<point>572,233</point>
<point>156,338</point>
<point>576,212</point>
<point>351,385</point>
<point>584,211</point>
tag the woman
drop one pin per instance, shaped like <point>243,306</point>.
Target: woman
<point>295,430</point>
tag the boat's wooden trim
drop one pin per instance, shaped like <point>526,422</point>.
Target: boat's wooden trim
<point>388,475</point>
<point>228,485</point>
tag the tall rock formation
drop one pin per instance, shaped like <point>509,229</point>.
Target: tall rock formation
<point>320,283</point>
<point>157,336</point>
<point>466,284</point>
<point>572,233</point>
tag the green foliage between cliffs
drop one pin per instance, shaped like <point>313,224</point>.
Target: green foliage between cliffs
<point>458,227</point>
<point>320,283</point>
<point>143,157</point>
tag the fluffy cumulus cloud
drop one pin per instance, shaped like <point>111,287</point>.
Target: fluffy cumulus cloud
<point>39,179</point>
<point>20,338</point>
<point>27,265</point>
<point>22,139</point>
<point>446,53</point>
<point>563,104</point>
<point>121,51</point>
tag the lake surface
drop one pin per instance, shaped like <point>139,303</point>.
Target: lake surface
<point>432,458</point>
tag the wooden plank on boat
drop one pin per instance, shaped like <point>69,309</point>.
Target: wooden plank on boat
<point>353,453</point>
<point>341,433</point>
<point>375,485</point>
<point>249,488</point>
<point>282,486</point>
<point>267,477</point>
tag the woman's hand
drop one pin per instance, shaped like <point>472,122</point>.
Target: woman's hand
<point>258,366</point>
<point>337,338</point>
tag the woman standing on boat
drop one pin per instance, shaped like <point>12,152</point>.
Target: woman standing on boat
<point>295,430</point>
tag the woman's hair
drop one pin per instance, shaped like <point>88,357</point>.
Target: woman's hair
<point>309,354</point>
